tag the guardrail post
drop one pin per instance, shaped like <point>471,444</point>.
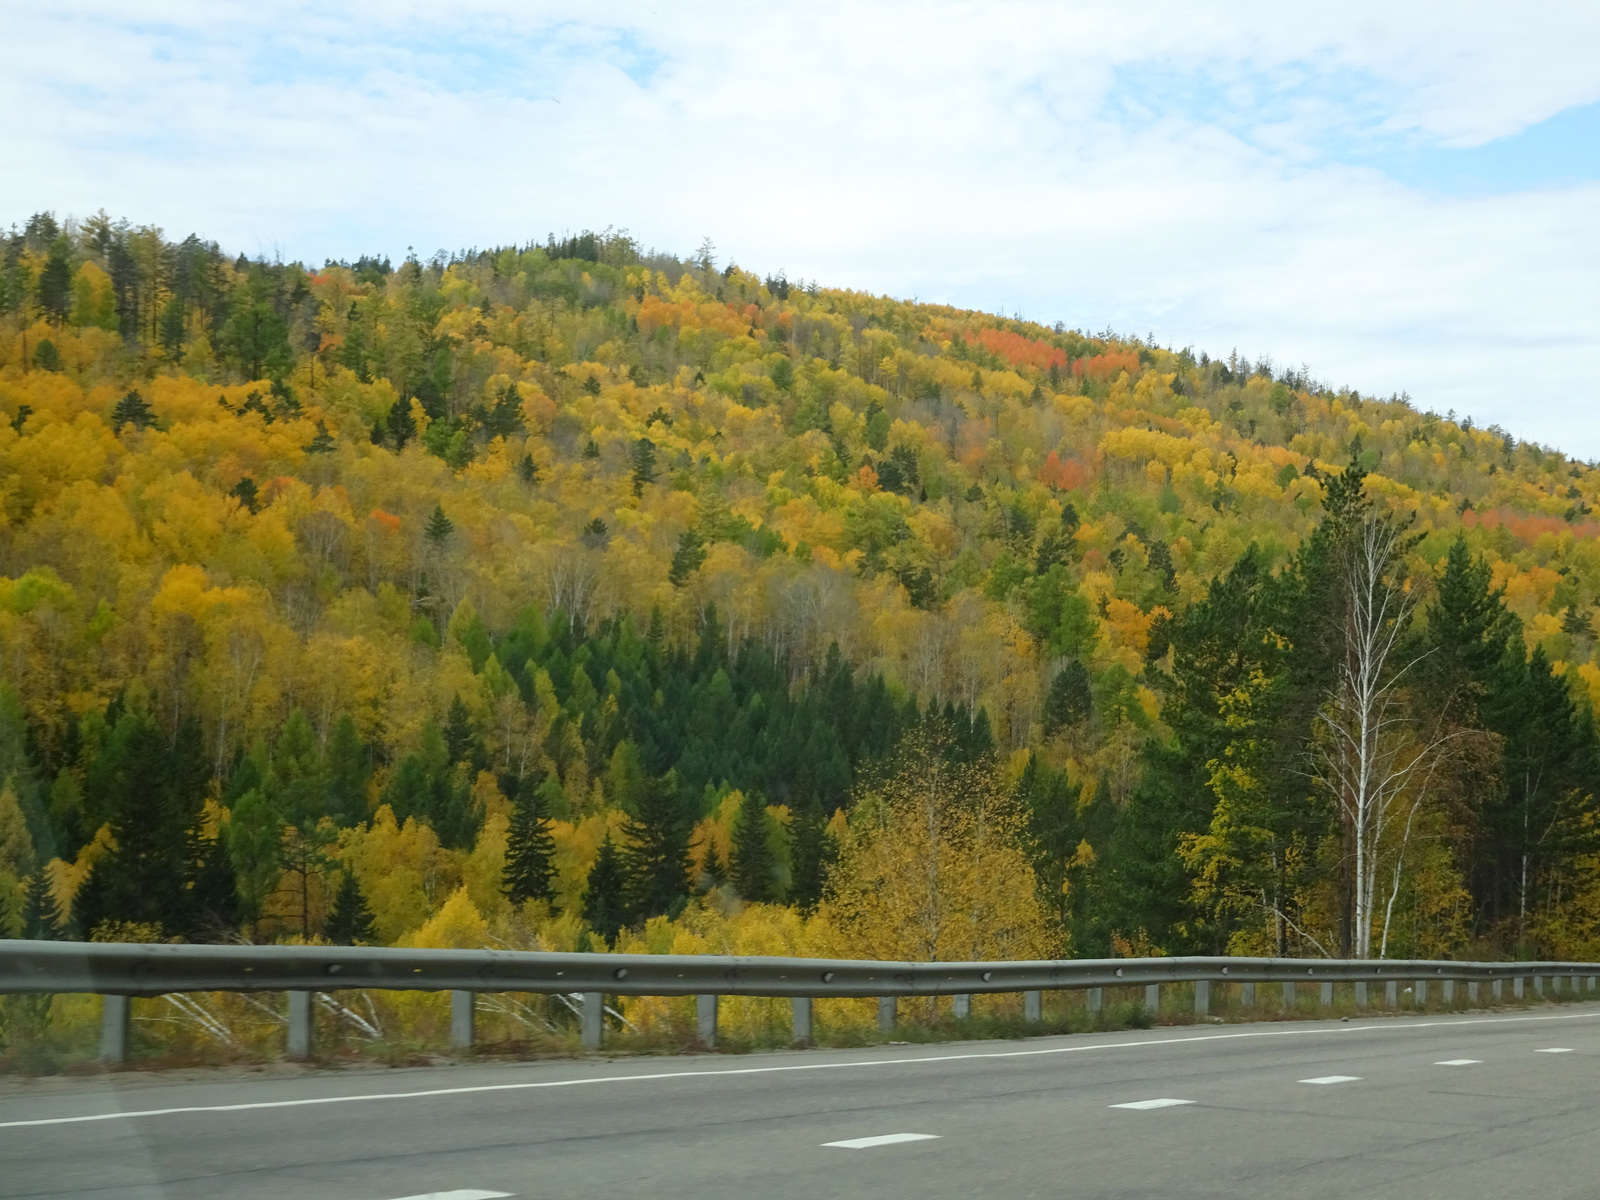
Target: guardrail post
<point>1094,999</point>
<point>114,1029</point>
<point>462,1019</point>
<point>1327,994</point>
<point>961,1006</point>
<point>1391,993</point>
<point>1516,988</point>
<point>800,1027</point>
<point>1152,999</point>
<point>1538,986</point>
<point>705,1020</point>
<point>302,1021</point>
<point>1247,995</point>
<point>888,1011</point>
<point>1497,989</point>
<point>1361,993</point>
<point>1288,995</point>
<point>1591,983</point>
<point>1449,987</point>
<point>1472,991</point>
<point>1202,997</point>
<point>1033,1007</point>
<point>1419,995</point>
<point>593,1021</point>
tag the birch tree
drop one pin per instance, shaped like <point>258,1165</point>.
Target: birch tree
<point>1369,750</point>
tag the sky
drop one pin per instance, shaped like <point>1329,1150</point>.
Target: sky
<point>1400,197</point>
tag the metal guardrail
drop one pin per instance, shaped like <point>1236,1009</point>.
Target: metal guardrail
<point>121,970</point>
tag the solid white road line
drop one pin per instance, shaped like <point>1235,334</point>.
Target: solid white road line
<point>884,1139</point>
<point>1555,1050</point>
<point>461,1194</point>
<point>1333,1079</point>
<point>1164,1102</point>
<point>1459,1062</point>
<point>426,1093</point>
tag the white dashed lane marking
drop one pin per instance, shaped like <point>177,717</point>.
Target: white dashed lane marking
<point>1164,1102</point>
<point>1333,1079</point>
<point>883,1139</point>
<point>1555,1050</point>
<point>1458,1062</point>
<point>460,1194</point>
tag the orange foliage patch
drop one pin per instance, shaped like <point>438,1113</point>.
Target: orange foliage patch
<point>1063,476</point>
<point>1106,366</point>
<point>389,521</point>
<point>1526,528</point>
<point>1018,350</point>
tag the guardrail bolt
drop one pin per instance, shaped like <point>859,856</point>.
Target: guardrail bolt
<point>800,1021</point>
<point>1202,997</point>
<point>888,1012</point>
<point>705,1020</point>
<point>1152,999</point>
<point>961,1006</point>
<point>462,1020</point>
<point>114,1029</point>
<point>302,1024</point>
<point>593,1021</point>
<point>1033,1007</point>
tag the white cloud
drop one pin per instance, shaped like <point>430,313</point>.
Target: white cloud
<point>1018,156</point>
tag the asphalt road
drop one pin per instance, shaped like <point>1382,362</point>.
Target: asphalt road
<point>1459,1106</point>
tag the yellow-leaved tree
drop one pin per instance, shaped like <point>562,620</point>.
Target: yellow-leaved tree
<point>931,867</point>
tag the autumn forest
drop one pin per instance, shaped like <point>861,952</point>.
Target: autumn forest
<point>572,596</point>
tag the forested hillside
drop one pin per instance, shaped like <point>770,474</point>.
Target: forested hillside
<point>566,595</point>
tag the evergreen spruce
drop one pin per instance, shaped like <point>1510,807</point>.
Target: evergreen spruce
<point>440,527</point>
<point>527,470</point>
<point>658,850</point>
<point>605,903</point>
<point>686,560</point>
<point>41,917</point>
<point>133,410</point>
<point>1071,698</point>
<point>530,849</point>
<point>753,861</point>
<point>323,443</point>
<point>402,425</point>
<point>644,465</point>
<point>350,922</point>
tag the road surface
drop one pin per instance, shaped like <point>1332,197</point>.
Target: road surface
<point>1462,1106</point>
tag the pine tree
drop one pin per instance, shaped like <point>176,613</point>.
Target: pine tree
<point>605,903</point>
<point>752,853</point>
<point>658,849</point>
<point>644,465</point>
<point>46,357</point>
<point>55,280</point>
<point>530,849</point>
<point>350,922</point>
<point>527,470</point>
<point>440,527</point>
<point>346,770</point>
<point>132,410</point>
<point>245,493</point>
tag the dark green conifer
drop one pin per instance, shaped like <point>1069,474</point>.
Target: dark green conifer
<point>530,850</point>
<point>605,903</point>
